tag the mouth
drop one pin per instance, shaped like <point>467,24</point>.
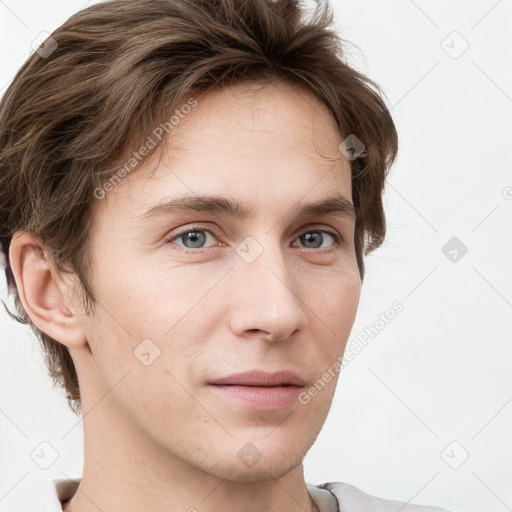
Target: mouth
<point>261,378</point>
<point>260,390</point>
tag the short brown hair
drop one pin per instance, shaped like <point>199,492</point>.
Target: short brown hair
<point>117,69</point>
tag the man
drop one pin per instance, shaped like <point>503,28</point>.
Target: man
<point>188,189</point>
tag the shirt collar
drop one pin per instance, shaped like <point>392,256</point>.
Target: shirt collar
<point>60,490</point>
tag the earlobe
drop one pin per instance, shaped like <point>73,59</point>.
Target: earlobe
<point>42,297</point>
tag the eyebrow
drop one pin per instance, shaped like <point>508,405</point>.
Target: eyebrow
<point>336,205</point>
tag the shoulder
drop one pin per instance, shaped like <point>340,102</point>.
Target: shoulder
<point>352,499</point>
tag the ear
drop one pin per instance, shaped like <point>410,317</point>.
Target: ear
<point>42,296</point>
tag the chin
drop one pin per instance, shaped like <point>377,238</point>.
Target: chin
<point>261,472</point>
<point>252,461</point>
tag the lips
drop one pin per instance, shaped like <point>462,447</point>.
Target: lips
<point>261,379</point>
<point>259,390</point>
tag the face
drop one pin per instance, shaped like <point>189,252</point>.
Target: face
<point>190,296</point>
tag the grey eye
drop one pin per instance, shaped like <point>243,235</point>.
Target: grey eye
<point>314,239</point>
<point>193,239</point>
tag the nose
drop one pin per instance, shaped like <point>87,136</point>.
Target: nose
<point>266,301</point>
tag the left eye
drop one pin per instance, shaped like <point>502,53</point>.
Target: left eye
<point>196,238</point>
<point>314,239</point>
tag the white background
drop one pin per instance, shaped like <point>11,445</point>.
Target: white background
<point>441,370</point>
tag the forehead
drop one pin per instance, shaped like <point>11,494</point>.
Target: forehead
<point>276,142</point>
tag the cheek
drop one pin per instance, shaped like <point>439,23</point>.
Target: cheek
<point>337,308</point>
<point>159,318</point>
<point>150,299</point>
<point>138,368</point>
<point>332,310</point>
<point>335,302</point>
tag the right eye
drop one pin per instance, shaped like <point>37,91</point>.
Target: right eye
<point>192,238</point>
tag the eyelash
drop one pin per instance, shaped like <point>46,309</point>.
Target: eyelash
<point>338,240</point>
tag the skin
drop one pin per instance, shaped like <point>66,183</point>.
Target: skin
<point>156,437</point>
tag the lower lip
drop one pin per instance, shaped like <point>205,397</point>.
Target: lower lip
<point>265,398</point>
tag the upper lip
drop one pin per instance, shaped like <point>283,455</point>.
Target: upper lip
<point>261,378</point>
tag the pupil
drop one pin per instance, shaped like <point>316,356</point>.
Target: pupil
<point>197,239</point>
<point>311,237</point>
